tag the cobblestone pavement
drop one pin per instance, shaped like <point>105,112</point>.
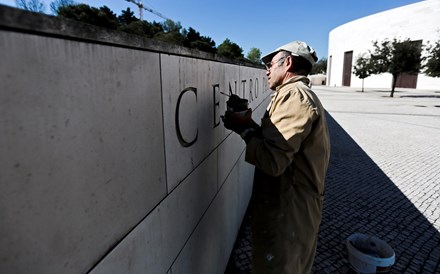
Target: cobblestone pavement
<point>383,180</point>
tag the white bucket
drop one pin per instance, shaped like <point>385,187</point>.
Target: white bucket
<point>369,254</point>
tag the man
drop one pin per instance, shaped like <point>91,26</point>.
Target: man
<point>290,151</point>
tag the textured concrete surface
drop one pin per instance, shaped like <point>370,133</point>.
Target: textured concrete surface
<point>108,164</point>
<point>383,180</point>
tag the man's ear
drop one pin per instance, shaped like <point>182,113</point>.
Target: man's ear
<point>289,62</point>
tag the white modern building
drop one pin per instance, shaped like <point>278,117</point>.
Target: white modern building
<point>418,22</point>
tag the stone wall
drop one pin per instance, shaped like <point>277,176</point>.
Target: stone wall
<point>113,156</point>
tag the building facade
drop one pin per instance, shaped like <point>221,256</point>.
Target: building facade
<point>418,22</point>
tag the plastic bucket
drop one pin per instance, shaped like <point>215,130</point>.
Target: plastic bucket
<point>369,254</point>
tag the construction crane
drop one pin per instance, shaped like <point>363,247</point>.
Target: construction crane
<point>142,7</point>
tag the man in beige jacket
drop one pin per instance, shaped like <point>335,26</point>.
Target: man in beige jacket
<point>290,151</point>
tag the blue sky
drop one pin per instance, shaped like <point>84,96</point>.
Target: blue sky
<point>258,24</point>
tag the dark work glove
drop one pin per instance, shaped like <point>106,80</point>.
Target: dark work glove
<point>238,121</point>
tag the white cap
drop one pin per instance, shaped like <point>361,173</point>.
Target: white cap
<point>296,48</point>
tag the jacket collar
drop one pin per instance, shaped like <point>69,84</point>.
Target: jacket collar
<point>296,78</point>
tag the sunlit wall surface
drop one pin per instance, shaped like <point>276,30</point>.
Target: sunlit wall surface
<point>419,21</point>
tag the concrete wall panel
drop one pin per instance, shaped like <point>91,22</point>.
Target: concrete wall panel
<point>113,155</point>
<point>201,253</point>
<point>80,165</point>
<point>188,92</point>
<point>156,242</point>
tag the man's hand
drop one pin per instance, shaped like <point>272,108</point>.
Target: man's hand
<point>237,122</point>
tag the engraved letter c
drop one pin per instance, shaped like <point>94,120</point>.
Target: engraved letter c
<point>182,141</point>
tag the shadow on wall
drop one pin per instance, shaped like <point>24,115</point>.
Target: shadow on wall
<point>359,198</point>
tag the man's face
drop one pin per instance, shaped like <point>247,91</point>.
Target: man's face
<point>275,70</point>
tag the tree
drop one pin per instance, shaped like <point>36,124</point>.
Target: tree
<point>320,67</point>
<point>142,28</point>
<point>230,50</point>
<point>107,17</point>
<point>102,17</point>
<point>194,40</point>
<point>171,33</point>
<point>363,68</point>
<point>168,31</point>
<point>31,5</point>
<point>254,55</point>
<point>171,26</point>
<point>57,4</point>
<point>127,17</point>
<point>396,57</point>
<point>432,67</point>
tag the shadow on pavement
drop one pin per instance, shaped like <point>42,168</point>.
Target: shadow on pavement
<point>420,96</point>
<point>359,198</point>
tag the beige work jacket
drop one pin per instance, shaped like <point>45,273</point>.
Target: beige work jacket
<point>291,157</point>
